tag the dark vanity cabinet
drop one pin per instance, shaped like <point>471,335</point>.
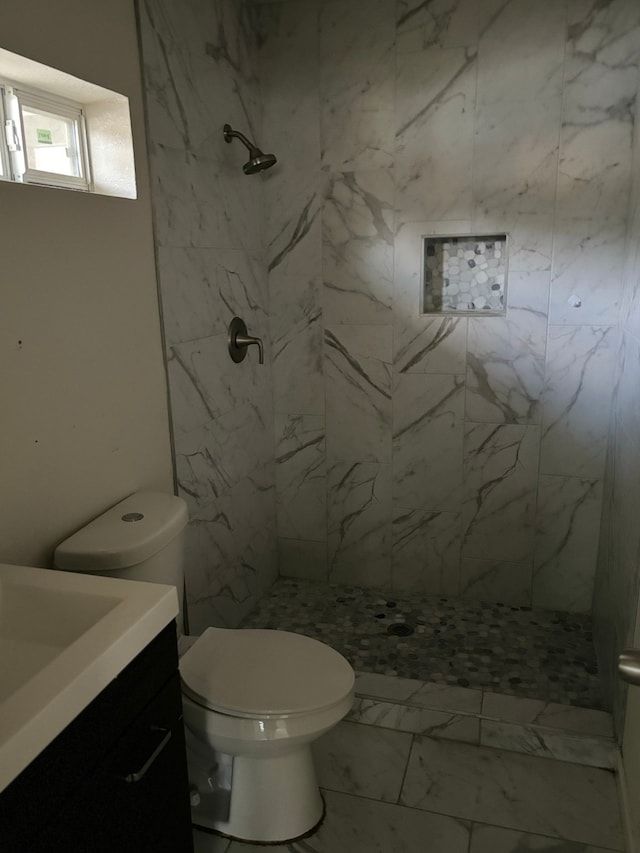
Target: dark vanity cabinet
<point>115,780</point>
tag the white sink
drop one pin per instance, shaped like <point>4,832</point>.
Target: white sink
<point>63,638</point>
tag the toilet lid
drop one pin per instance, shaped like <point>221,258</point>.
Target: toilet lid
<point>256,672</point>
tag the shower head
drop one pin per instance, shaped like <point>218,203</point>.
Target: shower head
<point>258,161</point>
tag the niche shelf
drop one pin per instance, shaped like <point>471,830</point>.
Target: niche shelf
<point>465,275</point>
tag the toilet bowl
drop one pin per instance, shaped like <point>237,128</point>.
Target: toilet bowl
<point>254,701</point>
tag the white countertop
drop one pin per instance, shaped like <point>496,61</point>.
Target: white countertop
<point>64,636</point>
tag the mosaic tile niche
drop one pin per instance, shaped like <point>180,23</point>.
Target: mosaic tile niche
<point>465,275</point>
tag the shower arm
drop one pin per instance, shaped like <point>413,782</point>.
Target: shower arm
<point>229,134</point>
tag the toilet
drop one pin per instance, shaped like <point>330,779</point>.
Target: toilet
<point>254,700</point>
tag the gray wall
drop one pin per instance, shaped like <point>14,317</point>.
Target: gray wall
<point>200,73</point>
<point>82,380</point>
<point>618,576</point>
<point>445,455</point>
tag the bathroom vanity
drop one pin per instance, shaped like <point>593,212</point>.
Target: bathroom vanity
<point>112,775</point>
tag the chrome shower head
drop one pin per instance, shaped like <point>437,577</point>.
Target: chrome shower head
<point>258,161</point>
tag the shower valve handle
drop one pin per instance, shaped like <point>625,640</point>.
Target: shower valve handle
<point>239,340</point>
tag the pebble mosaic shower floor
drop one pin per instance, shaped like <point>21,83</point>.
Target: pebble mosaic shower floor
<point>539,654</point>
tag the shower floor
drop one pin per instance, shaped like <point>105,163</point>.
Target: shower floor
<point>537,654</point>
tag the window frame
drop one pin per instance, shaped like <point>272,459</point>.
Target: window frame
<point>55,106</point>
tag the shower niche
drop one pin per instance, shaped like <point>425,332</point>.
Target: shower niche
<point>465,275</point>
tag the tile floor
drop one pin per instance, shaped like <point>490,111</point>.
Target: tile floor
<point>396,792</point>
<point>539,654</point>
<point>464,736</point>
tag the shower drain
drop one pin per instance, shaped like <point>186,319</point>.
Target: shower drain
<point>400,629</point>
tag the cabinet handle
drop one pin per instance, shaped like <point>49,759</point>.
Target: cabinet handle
<point>142,772</point>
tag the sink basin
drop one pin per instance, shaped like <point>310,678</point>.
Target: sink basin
<point>63,637</point>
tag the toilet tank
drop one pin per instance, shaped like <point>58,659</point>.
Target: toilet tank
<point>140,538</point>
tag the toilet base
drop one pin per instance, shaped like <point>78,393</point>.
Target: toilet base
<point>274,799</point>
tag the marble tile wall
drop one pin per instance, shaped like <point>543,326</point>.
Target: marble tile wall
<point>199,68</point>
<point>458,456</point>
<point>618,571</point>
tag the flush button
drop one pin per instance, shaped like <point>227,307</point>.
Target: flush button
<point>132,516</point>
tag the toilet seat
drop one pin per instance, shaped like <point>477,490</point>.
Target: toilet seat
<point>258,673</point>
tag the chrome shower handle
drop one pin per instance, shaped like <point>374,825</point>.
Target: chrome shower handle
<point>239,340</point>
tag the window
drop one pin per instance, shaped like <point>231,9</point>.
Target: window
<point>44,139</point>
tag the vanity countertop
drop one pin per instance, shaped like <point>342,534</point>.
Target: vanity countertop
<point>64,636</point>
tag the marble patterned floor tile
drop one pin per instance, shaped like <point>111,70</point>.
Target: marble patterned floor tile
<point>519,792</point>
<point>420,694</point>
<point>363,760</point>
<point>422,721</point>
<point>551,715</point>
<point>495,839</point>
<point>358,825</point>
<point>547,743</point>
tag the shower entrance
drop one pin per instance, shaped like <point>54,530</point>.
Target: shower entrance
<point>531,654</point>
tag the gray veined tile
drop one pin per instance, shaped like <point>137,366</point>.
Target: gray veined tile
<point>357,86</point>
<point>530,236</point>
<point>495,839</point>
<point>419,694</point>
<point>427,440</point>
<point>203,288</point>
<point>428,343</point>
<point>301,480</point>
<point>514,709</point>
<point>444,23</point>
<point>520,792</point>
<point>358,248</point>
<point>407,718</point>
<point>496,580</point>
<point>567,530</point>
<point>435,100</point>
<point>505,357</point>
<point>500,481</point>
<point>362,760</point>
<point>600,89</point>
<point>423,343</point>
<point>358,392</point>
<point>521,53</point>
<point>577,397</point>
<point>301,559</point>
<point>296,333</point>
<point>516,158</point>
<point>586,283</point>
<point>358,825</point>
<point>425,551</point>
<point>359,523</point>
<point>547,743</point>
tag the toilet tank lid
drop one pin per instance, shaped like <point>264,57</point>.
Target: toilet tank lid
<point>128,533</point>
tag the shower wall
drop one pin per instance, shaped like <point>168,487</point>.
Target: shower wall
<point>200,72</point>
<point>618,574</point>
<point>445,455</point>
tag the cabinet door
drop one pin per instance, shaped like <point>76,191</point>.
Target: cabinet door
<point>137,799</point>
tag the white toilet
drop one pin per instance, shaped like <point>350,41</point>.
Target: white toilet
<point>254,700</point>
